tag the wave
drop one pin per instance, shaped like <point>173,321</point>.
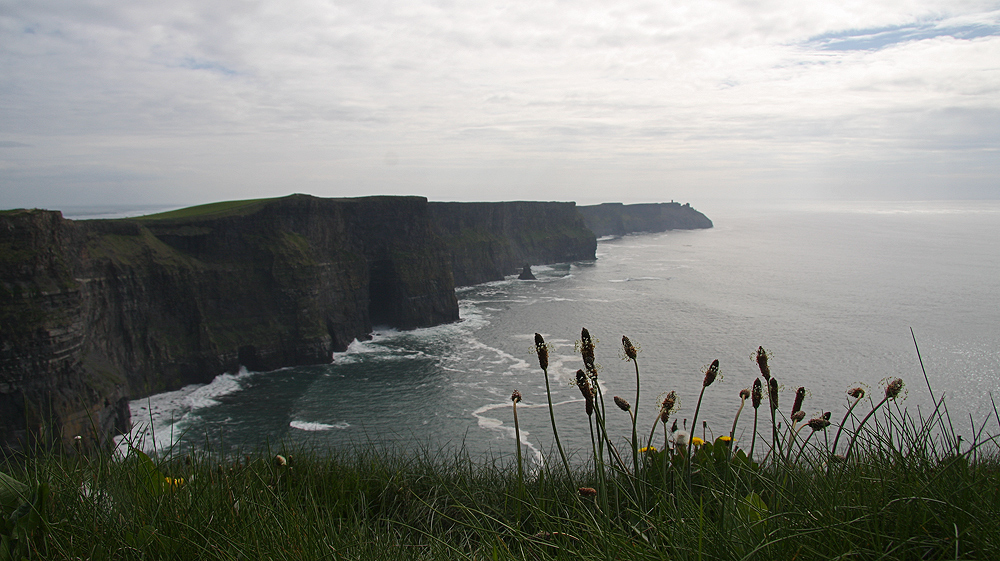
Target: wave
<point>159,421</point>
<point>312,427</point>
<point>632,279</point>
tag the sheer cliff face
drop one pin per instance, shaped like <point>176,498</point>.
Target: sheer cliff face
<point>617,219</point>
<point>489,240</point>
<point>95,312</point>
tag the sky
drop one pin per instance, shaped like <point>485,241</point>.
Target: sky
<point>188,101</point>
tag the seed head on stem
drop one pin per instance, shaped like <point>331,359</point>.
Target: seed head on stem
<point>856,393</point>
<point>757,394</point>
<point>772,393</point>
<point>588,393</point>
<point>893,388</point>
<point>515,396</point>
<point>667,406</point>
<point>800,395</point>
<point>711,373</point>
<point>761,357</point>
<point>629,348</point>
<point>587,350</point>
<point>819,423</point>
<point>622,404</point>
<point>542,350</point>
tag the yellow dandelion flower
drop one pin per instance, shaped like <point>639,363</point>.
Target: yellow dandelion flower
<point>697,441</point>
<point>725,439</point>
<point>645,449</point>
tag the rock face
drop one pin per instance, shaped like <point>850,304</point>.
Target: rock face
<point>94,313</point>
<point>490,240</point>
<point>97,312</point>
<point>617,219</point>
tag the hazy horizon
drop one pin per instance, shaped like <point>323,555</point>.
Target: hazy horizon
<point>188,103</point>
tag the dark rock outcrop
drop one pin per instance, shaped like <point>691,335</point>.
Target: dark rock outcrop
<point>490,240</point>
<point>526,274</point>
<point>96,312</point>
<point>617,219</point>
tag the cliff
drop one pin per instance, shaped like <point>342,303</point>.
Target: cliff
<point>617,219</point>
<point>93,313</point>
<point>487,241</point>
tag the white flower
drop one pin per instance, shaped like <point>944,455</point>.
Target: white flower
<point>681,438</point>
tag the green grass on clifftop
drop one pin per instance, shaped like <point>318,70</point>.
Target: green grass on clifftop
<point>211,210</point>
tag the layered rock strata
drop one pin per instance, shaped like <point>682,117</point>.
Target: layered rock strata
<point>93,313</point>
<point>488,241</point>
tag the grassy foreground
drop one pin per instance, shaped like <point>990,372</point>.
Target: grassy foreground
<point>903,488</point>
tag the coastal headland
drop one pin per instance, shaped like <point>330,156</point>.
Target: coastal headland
<point>94,313</point>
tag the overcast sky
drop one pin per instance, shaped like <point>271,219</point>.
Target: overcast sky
<point>193,101</point>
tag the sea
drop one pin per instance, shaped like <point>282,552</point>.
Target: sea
<point>840,294</point>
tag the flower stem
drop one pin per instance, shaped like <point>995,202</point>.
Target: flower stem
<point>555,433</point>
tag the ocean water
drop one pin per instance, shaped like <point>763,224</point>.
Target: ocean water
<point>831,291</point>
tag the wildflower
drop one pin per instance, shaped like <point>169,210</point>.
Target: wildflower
<point>711,373</point>
<point>818,423</point>
<point>772,393</point>
<point>588,393</point>
<point>724,439</point>
<point>757,394</point>
<point>645,449</point>
<point>800,394</point>
<point>587,491</point>
<point>280,461</point>
<point>856,393</point>
<point>515,396</point>
<point>893,389</point>
<point>667,406</point>
<point>630,350</point>
<point>798,416</point>
<point>761,358</point>
<point>697,441</point>
<point>745,394</point>
<point>681,437</point>
<point>173,483</point>
<point>542,350</point>
<point>622,404</point>
<point>587,350</point>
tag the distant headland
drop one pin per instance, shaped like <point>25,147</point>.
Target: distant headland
<point>94,313</point>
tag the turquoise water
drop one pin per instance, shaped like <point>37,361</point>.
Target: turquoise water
<point>832,292</point>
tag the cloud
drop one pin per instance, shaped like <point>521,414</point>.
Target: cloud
<point>217,100</point>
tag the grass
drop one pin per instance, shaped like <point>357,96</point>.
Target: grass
<point>211,210</point>
<point>911,489</point>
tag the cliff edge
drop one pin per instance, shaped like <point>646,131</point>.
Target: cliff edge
<point>487,241</point>
<point>617,219</point>
<point>94,313</point>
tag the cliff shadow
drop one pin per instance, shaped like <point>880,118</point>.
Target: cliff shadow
<point>384,295</point>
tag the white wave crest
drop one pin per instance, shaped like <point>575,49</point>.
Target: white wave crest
<point>312,427</point>
<point>158,421</point>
